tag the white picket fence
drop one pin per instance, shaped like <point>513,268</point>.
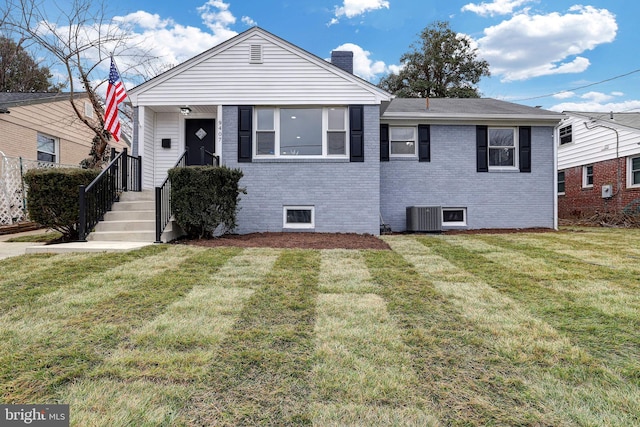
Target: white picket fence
<point>13,192</point>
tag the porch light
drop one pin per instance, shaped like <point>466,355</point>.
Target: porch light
<point>185,111</point>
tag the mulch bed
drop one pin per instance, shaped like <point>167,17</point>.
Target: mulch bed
<point>296,240</point>
<point>304,240</point>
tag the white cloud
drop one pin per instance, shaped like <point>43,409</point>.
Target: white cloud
<point>496,7</point>
<point>215,14</point>
<point>596,106</point>
<point>598,97</point>
<point>564,95</point>
<point>363,65</point>
<point>598,101</point>
<point>527,46</point>
<point>248,21</point>
<point>353,8</point>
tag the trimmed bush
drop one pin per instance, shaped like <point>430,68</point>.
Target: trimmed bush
<point>204,199</point>
<point>52,198</point>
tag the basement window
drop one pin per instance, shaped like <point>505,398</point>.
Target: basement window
<point>298,217</point>
<point>454,216</point>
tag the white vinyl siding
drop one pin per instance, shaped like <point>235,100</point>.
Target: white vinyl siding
<point>147,117</point>
<point>167,126</point>
<point>286,76</point>
<point>596,145</point>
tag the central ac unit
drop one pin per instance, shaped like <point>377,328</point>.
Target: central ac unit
<point>424,218</point>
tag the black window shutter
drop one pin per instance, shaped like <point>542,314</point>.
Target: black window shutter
<point>356,133</point>
<point>424,143</point>
<point>482,146</point>
<point>525,148</point>
<point>384,142</point>
<point>245,133</point>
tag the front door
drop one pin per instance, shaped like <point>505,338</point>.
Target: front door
<point>199,135</point>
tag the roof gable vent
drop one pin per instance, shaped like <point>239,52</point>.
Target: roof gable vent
<point>255,54</point>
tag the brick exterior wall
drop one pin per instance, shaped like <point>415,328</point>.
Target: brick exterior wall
<point>345,195</point>
<point>579,202</point>
<point>493,199</point>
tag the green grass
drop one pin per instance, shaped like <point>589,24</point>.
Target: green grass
<point>48,236</point>
<point>517,329</point>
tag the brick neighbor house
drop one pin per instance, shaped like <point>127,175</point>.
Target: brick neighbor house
<point>598,163</point>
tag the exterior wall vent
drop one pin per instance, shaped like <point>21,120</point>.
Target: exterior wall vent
<point>424,218</point>
<point>255,54</point>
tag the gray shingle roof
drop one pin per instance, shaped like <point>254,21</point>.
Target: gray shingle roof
<point>625,119</point>
<point>14,99</point>
<point>462,107</point>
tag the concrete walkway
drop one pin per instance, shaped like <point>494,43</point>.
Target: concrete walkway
<point>10,249</point>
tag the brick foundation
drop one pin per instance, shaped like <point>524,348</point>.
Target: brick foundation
<point>578,202</point>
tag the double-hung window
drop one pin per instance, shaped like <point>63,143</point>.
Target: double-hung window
<point>296,131</point>
<point>402,141</point>
<point>634,171</point>
<point>561,179</point>
<point>47,148</point>
<point>503,149</point>
<point>566,134</point>
<point>587,176</point>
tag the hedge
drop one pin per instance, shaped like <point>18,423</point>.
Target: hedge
<point>204,199</point>
<point>52,198</point>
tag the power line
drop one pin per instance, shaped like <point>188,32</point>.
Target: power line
<point>580,87</point>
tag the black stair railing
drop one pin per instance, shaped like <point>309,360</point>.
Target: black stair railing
<point>163,200</point>
<point>203,156</point>
<point>123,173</point>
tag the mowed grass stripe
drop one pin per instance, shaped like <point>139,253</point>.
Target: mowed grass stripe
<point>179,344</point>
<point>344,271</point>
<point>40,275</point>
<point>152,375</point>
<point>607,329</point>
<point>260,374</point>
<point>82,335</point>
<point>592,390</point>
<point>363,373</point>
<point>457,367</point>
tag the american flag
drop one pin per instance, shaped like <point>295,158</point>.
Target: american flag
<point>115,95</point>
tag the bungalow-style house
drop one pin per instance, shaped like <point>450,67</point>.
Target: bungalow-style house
<point>598,163</point>
<point>43,126</point>
<point>323,150</point>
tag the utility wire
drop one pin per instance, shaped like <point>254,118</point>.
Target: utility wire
<point>580,87</point>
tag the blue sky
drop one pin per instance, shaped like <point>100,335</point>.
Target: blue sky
<point>549,53</point>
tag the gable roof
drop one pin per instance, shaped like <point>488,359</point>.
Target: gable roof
<point>460,109</point>
<point>248,35</point>
<point>631,120</point>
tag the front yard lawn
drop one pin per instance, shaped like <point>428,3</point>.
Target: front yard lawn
<point>487,329</point>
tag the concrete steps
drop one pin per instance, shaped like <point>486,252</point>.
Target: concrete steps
<point>132,219</point>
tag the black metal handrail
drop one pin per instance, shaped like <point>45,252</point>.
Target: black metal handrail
<point>202,156</point>
<point>163,200</point>
<point>123,173</point>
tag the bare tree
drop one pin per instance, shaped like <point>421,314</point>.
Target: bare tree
<point>81,38</point>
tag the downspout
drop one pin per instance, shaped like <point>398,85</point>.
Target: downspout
<point>556,139</point>
<point>619,170</point>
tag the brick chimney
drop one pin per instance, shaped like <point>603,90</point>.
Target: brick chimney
<point>343,59</point>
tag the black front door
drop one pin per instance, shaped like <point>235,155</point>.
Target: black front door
<point>199,135</point>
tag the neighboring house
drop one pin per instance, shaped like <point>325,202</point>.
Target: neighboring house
<point>598,163</point>
<point>43,126</point>
<point>323,150</point>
